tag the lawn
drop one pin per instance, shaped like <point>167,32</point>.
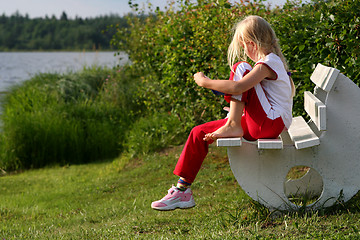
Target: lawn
<point>110,200</point>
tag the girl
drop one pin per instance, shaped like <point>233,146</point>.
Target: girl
<point>260,104</point>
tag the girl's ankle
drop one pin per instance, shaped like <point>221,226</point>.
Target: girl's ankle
<point>232,123</point>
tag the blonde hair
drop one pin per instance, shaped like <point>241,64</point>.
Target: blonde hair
<point>258,30</point>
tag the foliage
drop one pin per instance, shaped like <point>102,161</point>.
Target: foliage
<point>341,22</point>
<point>168,47</point>
<point>325,32</point>
<point>19,32</point>
<point>62,119</point>
<point>152,133</point>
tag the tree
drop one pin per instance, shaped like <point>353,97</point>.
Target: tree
<point>22,33</point>
<point>63,17</point>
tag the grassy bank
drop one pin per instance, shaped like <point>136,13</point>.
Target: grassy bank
<point>110,200</point>
<point>81,117</point>
<point>65,118</point>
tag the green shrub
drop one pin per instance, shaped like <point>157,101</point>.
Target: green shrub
<point>325,32</point>
<point>153,133</point>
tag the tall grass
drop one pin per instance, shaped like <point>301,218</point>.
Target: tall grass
<point>94,114</point>
<point>63,119</point>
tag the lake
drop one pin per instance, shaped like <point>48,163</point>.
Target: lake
<point>16,67</point>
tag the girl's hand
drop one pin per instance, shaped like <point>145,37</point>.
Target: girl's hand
<point>201,79</point>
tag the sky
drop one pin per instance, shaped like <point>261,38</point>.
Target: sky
<point>80,8</point>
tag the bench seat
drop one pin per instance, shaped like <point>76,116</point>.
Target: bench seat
<point>229,142</point>
<point>301,134</point>
<point>270,143</point>
<point>261,143</point>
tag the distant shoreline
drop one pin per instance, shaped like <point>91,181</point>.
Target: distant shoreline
<point>59,50</point>
<point>20,66</point>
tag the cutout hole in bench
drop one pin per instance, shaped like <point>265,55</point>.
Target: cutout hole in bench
<point>303,185</point>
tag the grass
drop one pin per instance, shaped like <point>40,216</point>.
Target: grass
<point>69,118</point>
<point>111,200</point>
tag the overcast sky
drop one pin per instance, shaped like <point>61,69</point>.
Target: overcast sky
<point>81,8</point>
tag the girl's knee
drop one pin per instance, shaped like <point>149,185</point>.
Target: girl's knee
<point>243,68</point>
<point>198,130</point>
<point>198,133</point>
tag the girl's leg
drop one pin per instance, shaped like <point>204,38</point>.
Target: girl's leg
<point>189,163</point>
<point>259,120</point>
<point>195,150</point>
<point>232,128</point>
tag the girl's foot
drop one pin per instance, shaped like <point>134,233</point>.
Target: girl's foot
<point>226,131</point>
<point>175,199</point>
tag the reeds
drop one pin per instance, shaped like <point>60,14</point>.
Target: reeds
<point>62,119</point>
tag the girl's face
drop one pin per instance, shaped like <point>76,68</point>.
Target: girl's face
<point>251,50</point>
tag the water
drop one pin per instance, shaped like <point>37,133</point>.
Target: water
<point>16,67</point>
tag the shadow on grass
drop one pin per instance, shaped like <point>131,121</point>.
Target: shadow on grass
<point>254,213</point>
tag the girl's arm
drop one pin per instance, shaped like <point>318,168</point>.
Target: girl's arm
<point>255,76</point>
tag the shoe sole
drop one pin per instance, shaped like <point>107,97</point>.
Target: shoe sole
<point>175,206</point>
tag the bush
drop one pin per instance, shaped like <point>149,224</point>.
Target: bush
<point>325,32</point>
<point>153,133</point>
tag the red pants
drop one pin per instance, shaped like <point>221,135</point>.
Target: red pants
<point>254,122</point>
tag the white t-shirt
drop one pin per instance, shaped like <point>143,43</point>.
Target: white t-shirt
<point>278,91</point>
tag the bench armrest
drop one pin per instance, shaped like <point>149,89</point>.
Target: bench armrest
<point>316,110</point>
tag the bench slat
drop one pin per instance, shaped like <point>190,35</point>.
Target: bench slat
<point>324,77</point>
<point>262,143</point>
<point>316,110</point>
<point>301,134</point>
<point>228,142</point>
<point>270,143</point>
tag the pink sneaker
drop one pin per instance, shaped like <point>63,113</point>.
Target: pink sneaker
<point>175,199</point>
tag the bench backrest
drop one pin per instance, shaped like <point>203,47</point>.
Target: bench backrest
<point>316,110</point>
<point>324,77</point>
<point>300,132</point>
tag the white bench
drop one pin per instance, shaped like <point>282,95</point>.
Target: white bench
<point>300,132</point>
<point>328,144</point>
